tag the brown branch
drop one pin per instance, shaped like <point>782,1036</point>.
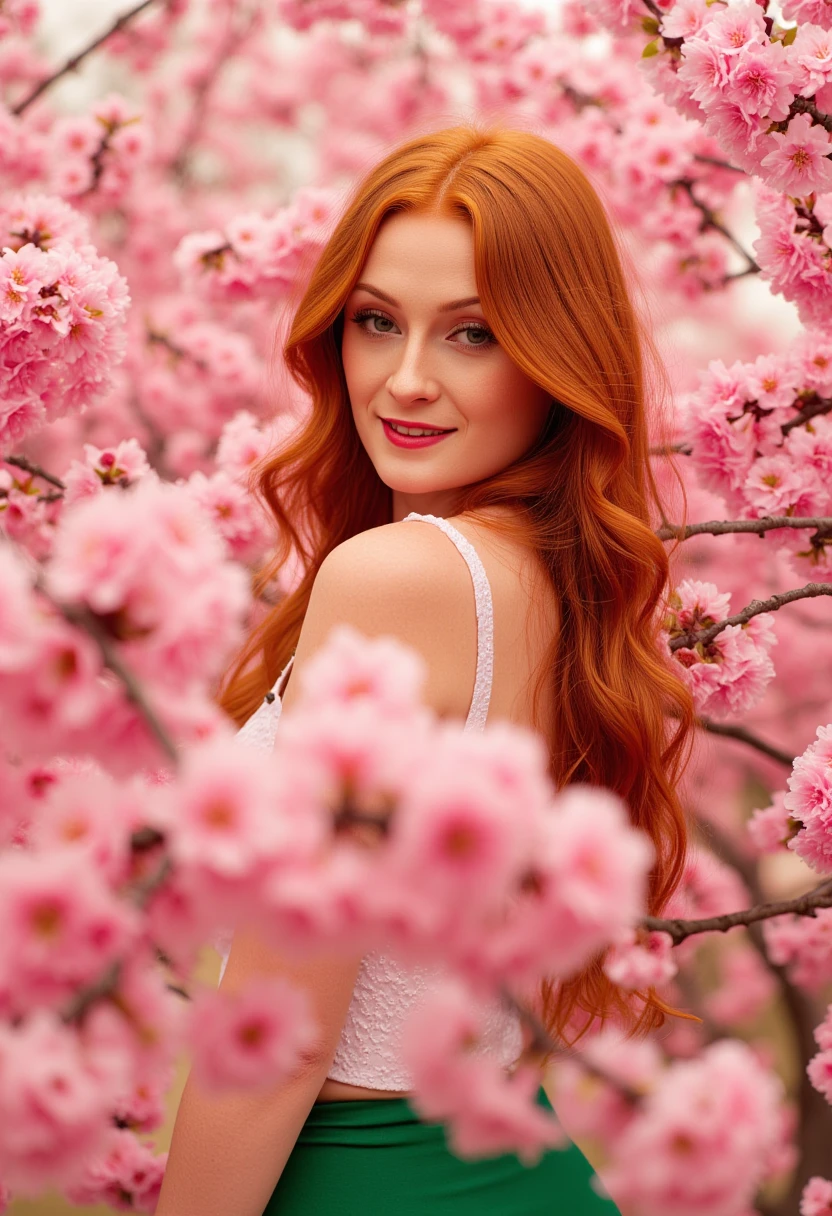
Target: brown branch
<point>154,338</point>
<point>709,220</point>
<point>804,905</point>
<point>817,406</point>
<point>697,637</point>
<point>20,462</point>
<point>85,620</point>
<point>542,1045</point>
<point>72,63</point>
<point>717,164</point>
<point>721,527</point>
<point>729,730</point>
<point>807,105</point>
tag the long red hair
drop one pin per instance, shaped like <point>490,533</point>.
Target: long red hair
<point>553,290</point>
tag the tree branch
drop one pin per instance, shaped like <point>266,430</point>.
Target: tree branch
<point>697,637</point>
<point>85,620</point>
<point>20,462</point>
<point>815,407</point>
<point>767,523</point>
<point>543,1045</point>
<point>709,220</point>
<point>804,905</point>
<point>76,60</point>
<point>728,730</point>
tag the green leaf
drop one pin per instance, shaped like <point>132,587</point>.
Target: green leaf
<point>651,49</point>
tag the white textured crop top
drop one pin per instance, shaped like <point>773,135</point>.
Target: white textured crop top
<point>385,991</point>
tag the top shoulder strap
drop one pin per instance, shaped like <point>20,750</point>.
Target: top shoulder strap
<point>478,712</point>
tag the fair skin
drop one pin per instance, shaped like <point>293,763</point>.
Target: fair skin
<point>405,580</point>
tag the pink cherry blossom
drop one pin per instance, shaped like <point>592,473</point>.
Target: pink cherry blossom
<point>254,1039</point>
<point>642,961</point>
<point>804,945</point>
<point>761,81</point>
<point>732,671</point>
<point>771,828</point>
<point>816,1199</point>
<point>800,163</point>
<point>809,800</point>
<point>63,927</point>
<point>54,1110</point>
<point>488,1112</point>
<point>702,1138</point>
<point>125,1174</point>
<point>354,667</point>
<point>120,465</point>
<point>811,58</point>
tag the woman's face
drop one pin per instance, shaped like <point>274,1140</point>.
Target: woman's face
<point>418,353</point>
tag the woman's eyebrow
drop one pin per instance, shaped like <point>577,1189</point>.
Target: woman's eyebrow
<point>451,306</point>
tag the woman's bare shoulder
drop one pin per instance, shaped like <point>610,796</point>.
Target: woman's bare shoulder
<point>401,580</point>
<point>397,560</point>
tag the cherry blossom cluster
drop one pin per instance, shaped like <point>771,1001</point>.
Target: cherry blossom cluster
<point>804,945</point>
<point>732,68</point>
<point>226,494</point>
<point>96,157</point>
<point>761,438</point>
<point>794,249</point>
<point>724,1097</point>
<point>193,373</point>
<point>809,802</point>
<point>730,673</point>
<point>62,315</point>
<point>257,255</point>
<point>151,572</point>
<point>249,836</point>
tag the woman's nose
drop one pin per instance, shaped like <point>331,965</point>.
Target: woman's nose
<point>411,378</point>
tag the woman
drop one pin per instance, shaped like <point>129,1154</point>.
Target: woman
<point>475,370</point>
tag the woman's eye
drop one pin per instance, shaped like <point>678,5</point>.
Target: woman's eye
<point>380,323</point>
<point>475,335</point>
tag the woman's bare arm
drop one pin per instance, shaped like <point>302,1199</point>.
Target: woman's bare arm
<point>227,1154</point>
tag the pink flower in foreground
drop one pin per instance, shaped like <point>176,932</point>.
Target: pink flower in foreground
<point>809,800</point>
<point>761,81</point>
<point>351,667</point>
<point>811,58</point>
<point>586,885</point>
<point>455,1081</point>
<point>702,1139</point>
<point>643,961</point>
<point>62,926</point>
<point>816,1199</point>
<point>54,1111</point>
<point>800,163</point>
<point>252,1039</point>
<point>125,1174</point>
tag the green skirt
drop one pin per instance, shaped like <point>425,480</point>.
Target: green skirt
<point>374,1157</point>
